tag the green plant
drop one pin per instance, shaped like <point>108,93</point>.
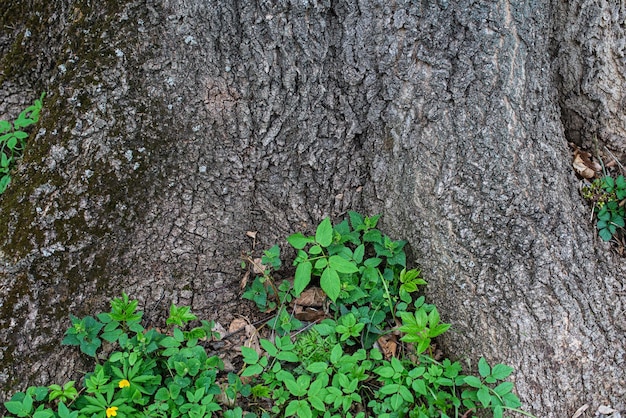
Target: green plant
<point>337,367</point>
<point>607,194</point>
<point>13,139</point>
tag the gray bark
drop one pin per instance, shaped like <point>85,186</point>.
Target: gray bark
<point>173,127</point>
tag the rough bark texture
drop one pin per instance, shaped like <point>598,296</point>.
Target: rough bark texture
<point>173,127</point>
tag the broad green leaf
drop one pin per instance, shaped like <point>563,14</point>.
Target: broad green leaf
<point>356,220</point>
<point>419,386</point>
<point>336,353</point>
<point>20,134</point>
<point>503,388</point>
<point>433,318</point>
<point>483,396</point>
<point>324,233</point>
<point>342,265</point>
<point>18,408</point>
<point>501,371</point>
<point>483,367</point>
<point>288,356</point>
<point>292,408</point>
<point>269,347</point>
<point>168,342</point>
<point>253,370</point>
<point>511,400</point>
<point>250,356</point>
<point>302,277</point>
<point>389,389</point>
<point>321,263</point>
<point>605,234</point>
<point>11,143</point>
<point>5,126</point>
<point>385,371</point>
<point>330,283</point>
<point>406,394</point>
<point>315,250</point>
<point>359,253</point>
<point>438,330</point>
<point>299,241</point>
<point>473,381</point>
<point>317,367</point>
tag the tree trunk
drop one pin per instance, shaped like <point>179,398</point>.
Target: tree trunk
<point>172,127</point>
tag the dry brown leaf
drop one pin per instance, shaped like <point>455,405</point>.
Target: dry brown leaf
<point>257,266</point>
<point>308,314</point>
<point>580,411</point>
<point>313,298</point>
<point>584,165</point>
<point>388,345</point>
<point>310,305</point>
<point>244,281</point>
<point>249,336</point>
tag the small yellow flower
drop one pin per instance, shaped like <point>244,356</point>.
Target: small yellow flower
<point>124,384</point>
<point>111,411</point>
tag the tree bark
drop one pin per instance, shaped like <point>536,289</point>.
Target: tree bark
<point>173,127</point>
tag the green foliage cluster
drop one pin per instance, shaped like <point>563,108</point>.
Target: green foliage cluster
<point>607,194</point>
<point>13,140</point>
<point>334,367</point>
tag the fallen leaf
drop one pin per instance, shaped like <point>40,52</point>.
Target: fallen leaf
<point>313,297</point>
<point>257,266</point>
<point>244,281</point>
<point>251,234</point>
<point>584,165</point>
<point>388,345</point>
<point>606,410</point>
<point>308,314</point>
<point>579,412</point>
<point>249,336</point>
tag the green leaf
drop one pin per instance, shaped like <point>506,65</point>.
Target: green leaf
<point>438,330</point>
<point>503,388</point>
<point>330,283</point>
<point>11,143</point>
<point>169,342</point>
<point>359,253</point>
<point>288,356</point>
<point>498,411</point>
<point>501,371</point>
<point>317,367</point>
<point>336,353</point>
<point>252,370</point>
<point>324,233</point>
<point>473,381</point>
<point>605,234</point>
<point>356,220</point>
<point>405,393</point>
<point>315,250</point>
<point>269,347</point>
<point>389,388</point>
<point>342,265</point>
<point>385,371</point>
<point>5,126</point>
<point>483,396</point>
<point>20,134</point>
<point>250,356</point>
<point>483,367</point>
<point>4,183</point>
<point>299,241</point>
<point>302,277</point>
